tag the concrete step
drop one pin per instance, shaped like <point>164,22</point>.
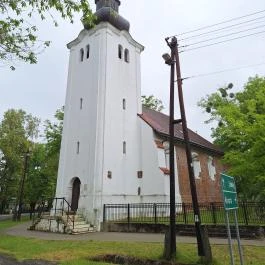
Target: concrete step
<point>83,230</point>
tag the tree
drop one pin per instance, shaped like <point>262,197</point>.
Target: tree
<point>18,130</point>
<point>240,131</point>
<point>53,135</point>
<point>152,102</point>
<point>18,36</point>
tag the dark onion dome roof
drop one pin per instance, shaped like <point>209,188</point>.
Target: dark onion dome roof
<point>108,11</point>
<point>160,123</point>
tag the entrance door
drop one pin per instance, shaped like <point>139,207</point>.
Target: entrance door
<point>75,194</point>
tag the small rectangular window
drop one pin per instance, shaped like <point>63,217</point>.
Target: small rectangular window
<point>140,174</point>
<point>124,103</point>
<point>81,103</point>
<point>124,147</point>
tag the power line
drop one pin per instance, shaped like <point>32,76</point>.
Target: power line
<point>223,28</point>
<point>223,71</point>
<point>223,36</point>
<point>219,42</point>
<point>216,24</point>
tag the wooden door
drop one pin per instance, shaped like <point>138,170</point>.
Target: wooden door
<point>75,194</point>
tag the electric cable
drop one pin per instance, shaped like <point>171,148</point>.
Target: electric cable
<point>219,42</point>
<point>216,24</point>
<point>222,71</point>
<point>223,36</point>
<point>226,28</point>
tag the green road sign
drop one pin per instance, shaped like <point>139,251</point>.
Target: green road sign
<point>229,192</point>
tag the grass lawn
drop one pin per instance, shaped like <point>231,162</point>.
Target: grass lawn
<point>79,252</point>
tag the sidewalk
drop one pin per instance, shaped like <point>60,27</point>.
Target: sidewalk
<point>21,230</point>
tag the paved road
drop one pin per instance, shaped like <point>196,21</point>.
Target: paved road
<point>21,230</point>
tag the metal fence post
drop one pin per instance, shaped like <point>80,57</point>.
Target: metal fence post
<point>128,216</point>
<point>184,213</point>
<point>155,213</point>
<point>55,206</point>
<point>104,213</point>
<point>213,213</point>
<point>245,213</point>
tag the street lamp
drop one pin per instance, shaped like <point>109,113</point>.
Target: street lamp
<point>204,249</point>
<point>18,210</point>
<point>170,240</point>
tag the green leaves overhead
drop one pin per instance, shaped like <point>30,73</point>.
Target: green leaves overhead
<point>18,36</point>
<point>152,102</point>
<point>240,131</point>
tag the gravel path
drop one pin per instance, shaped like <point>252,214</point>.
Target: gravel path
<point>6,260</point>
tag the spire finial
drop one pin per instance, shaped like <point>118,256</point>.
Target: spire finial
<point>108,11</point>
<point>114,4</point>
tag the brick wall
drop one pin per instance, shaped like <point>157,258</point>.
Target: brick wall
<point>208,190</point>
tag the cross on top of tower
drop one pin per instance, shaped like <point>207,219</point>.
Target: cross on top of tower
<point>108,11</point>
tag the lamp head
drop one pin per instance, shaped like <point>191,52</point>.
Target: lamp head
<point>167,58</point>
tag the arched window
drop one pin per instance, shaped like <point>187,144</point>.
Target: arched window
<point>196,165</point>
<point>81,103</point>
<point>120,51</point>
<point>139,191</point>
<point>126,56</point>
<point>82,55</point>
<point>87,51</point>
<point>211,168</point>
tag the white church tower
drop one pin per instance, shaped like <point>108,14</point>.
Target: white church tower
<point>100,159</point>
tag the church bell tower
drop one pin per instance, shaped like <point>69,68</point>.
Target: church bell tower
<point>100,150</point>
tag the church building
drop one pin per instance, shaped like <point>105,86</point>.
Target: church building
<point>114,150</point>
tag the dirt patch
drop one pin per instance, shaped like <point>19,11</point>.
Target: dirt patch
<point>125,260</point>
<point>7,260</point>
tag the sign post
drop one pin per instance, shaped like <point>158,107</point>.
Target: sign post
<point>231,204</point>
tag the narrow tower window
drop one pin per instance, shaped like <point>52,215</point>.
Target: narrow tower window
<point>124,147</point>
<point>124,103</point>
<point>77,147</point>
<point>126,56</point>
<point>82,55</point>
<point>87,51</point>
<point>120,50</point>
<point>81,103</point>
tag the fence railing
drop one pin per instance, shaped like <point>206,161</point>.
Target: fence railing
<point>249,213</point>
<point>59,207</point>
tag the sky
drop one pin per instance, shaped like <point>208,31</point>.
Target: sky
<point>40,89</point>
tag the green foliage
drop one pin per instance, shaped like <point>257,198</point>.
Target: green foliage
<point>18,37</point>
<point>240,131</point>
<point>53,135</point>
<point>17,131</point>
<point>152,103</point>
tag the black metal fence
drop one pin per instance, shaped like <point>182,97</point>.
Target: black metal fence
<point>249,213</point>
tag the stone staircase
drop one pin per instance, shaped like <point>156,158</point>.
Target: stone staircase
<point>73,224</point>
<point>76,224</point>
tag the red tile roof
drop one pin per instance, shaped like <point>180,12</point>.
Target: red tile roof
<point>160,123</point>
